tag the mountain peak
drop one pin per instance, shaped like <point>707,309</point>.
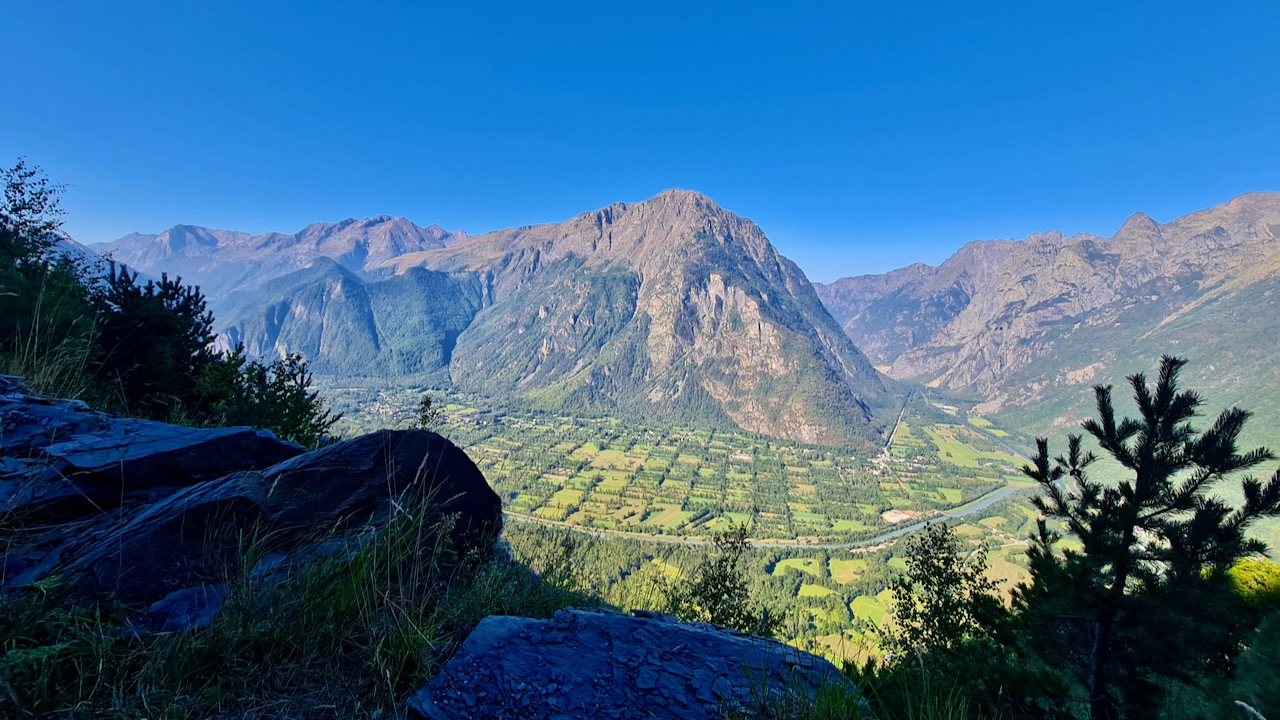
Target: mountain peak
<point>1139,225</point>
<point>683,198</point>
<point>681,194</point>
<point>180,237</point>
<point>672,304</point>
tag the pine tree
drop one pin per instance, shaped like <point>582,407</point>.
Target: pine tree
<point>1145,601</point>
<point>156,341</point>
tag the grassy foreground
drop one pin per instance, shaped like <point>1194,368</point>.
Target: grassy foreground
<point>341,637</point>
<point>347,637</point>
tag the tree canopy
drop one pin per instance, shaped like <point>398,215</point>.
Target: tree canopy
<point>1146,599</point>
<point>142,348</point>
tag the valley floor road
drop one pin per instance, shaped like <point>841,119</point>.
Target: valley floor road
<point>981,503</point>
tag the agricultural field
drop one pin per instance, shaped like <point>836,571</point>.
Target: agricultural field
<point>639,490</point>
<point>609,475</point>
<point>838,600</point>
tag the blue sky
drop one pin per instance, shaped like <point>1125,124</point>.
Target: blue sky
<point>860,136</point>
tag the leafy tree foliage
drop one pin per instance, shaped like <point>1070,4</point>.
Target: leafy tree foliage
<point>276,396</point>
<point>950,643</point>
<point>944,598</point>
<point>1256,581</point>
<point>1145,601</point>
<point>45,321</point>
<point>430,414</point>
<point>718,591</point>
<point>143,349</point>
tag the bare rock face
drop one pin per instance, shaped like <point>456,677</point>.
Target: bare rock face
<point>592,664</point>
<point>1018,322</point>
<point>59,459</point>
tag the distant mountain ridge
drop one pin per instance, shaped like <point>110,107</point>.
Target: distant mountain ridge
<point>1023,324</point>
<point>222,262</point>
<point>671,308</point>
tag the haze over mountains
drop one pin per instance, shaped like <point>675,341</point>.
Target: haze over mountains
<point>676,308</point>
<point>1025,327</point>
<point>227,261</point>
<point>669,308</point>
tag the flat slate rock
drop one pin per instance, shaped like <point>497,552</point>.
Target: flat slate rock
<point>155,515</point>
<point>594,664</point>
<point>60,461</point>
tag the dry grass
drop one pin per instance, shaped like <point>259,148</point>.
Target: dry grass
<point>349,636</point>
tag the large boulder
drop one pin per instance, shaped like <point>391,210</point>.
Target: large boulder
<point>588,664</point>
<point>339,496</point>
<point>195,536</point>
<point>155,514</point>
<point>60,460</point>
<point>358,483</point>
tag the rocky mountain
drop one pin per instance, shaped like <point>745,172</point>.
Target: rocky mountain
<point>403,326</point>
<point>224,262</point>
<point>665,306</point>
<point>672,308</point>
<point>1027,325</point>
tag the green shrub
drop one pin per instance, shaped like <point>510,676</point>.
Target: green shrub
<point>717,590</point>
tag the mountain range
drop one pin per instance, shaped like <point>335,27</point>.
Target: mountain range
<point>1025,327</point>
<point>224,262</point>
<point>672,308</point>
<point>675,308</point>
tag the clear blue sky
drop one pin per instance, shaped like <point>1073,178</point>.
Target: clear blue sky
<point>860,136</point>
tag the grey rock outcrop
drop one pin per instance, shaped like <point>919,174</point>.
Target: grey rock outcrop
<point>591,664</point>
<point>60,460</point>
<point>140,519</point>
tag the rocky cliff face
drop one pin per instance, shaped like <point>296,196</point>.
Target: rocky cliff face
<point>1018,321</point>
<point>673,305</point>
<point>672,308</point>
